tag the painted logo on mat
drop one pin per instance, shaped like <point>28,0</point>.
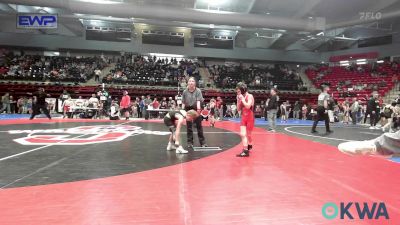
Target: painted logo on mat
<point>83,135</point>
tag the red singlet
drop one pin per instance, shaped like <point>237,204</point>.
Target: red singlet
<point>247,115</point>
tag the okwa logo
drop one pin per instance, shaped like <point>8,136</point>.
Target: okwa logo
<point>363,210</point>
<point>83,135</point>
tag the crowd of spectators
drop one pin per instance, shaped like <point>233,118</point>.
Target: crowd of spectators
<point>152,71</point>
<point>46,68</point>
<point>353,80</point>
<point>256,77</point>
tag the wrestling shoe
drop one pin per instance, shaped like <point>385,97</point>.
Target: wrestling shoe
<point>171,146</point>
<point>358,147</point>
<point>244,153</point>
<point>180,150</point>
<point>250,147</point>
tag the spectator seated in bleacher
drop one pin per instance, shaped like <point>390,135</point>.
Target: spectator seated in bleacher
<point>45,68</point>
<point>256,77</point>
<point>356,80</point>
<point>151,71</point>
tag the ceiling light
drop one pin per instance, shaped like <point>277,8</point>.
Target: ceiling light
<point>310,17</point>
<point>212,26</point>
<point>380,61</point>
<point>267,13</point>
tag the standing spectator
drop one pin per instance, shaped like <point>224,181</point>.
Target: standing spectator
<point>219,109</point>
<point>20,105</point>
<point>66,105</point>
<point>272,109</point>
<point>134,108</point>
<point>29,106</point>
<point>192,98</point>
<point>13,104</point>
<point>97,74</point>
<point>354,108</point>
<point>296,110</point>
<point>331,107</point>
<point>141,107</point>
<point>125,104</point>
<point>304,111</point>
<point>233,109</point>
<point>212,112</point>
<point>147,103</point>
<point>288,110</point>
<point>283,109</point>
<point>64,96</point>
<point>372,106</point>
<point>5,100</point>
<point>346,111</point>
<point>156,105</point>
<point>322,109</point>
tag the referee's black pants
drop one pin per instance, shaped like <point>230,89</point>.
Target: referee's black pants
<point>321,115</point>
<point>199,127</point>
<point>36,110</point>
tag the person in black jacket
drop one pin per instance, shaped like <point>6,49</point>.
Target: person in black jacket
<point>39,103</point>
<point>272,109</point>
<point>372,107</point>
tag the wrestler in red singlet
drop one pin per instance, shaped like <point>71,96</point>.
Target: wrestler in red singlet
<point>245,104</point>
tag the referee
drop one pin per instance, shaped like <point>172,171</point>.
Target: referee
<point>192,99</point>
<point>39,103</point>
<point>322,109</point>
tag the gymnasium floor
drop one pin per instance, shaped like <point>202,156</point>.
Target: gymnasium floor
<point>102,172</point>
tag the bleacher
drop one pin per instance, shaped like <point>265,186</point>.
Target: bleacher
<point>255,77</point>
<point>373,78</point>
<point>151,71</point>
<point>54,69</point>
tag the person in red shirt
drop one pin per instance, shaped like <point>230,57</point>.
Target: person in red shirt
<point>125,104</point>
<point>156,105</point>
<point>245,104</point>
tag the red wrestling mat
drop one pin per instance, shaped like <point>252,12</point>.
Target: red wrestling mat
<point>286,180</point>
